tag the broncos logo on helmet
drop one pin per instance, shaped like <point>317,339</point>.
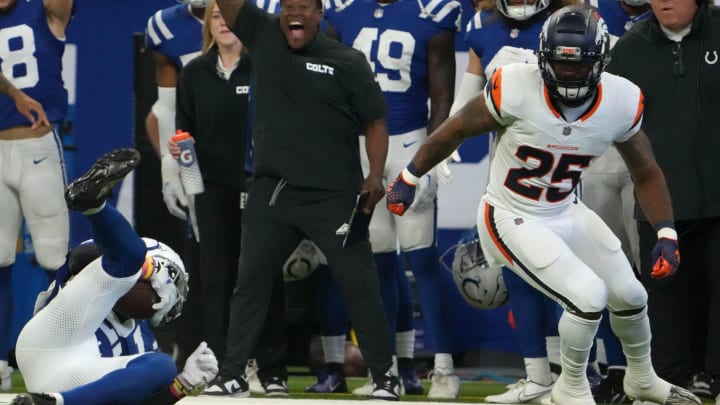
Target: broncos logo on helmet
<point>574,51</point>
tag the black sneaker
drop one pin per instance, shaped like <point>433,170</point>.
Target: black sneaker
<point>226,385</point>
<point>700,385</point>
<point>92,189</point>
<point>275,387</point>
<point>610,390</point>
<point>33,399</point>
<point>387,389</point>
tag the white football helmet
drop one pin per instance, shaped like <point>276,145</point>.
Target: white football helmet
<point>481,285</point>
<point>522,11</point>
<point>169,279</point>
<point>303,261</point>
<point>196,3</point>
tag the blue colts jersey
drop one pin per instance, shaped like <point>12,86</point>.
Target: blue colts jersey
<point>116,338</point>
<point>31,58</point>
<point>176,33</point>
<point>395,39</point>
<point>488,31</point>
<point>618,22</point>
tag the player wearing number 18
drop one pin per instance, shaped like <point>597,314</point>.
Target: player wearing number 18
<point>552,119</point>
<point>32,177</point>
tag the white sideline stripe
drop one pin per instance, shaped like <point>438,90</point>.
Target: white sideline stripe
<point>206,400</point>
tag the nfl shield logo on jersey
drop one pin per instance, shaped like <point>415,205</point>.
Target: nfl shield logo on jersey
<point>378,13</point>
<point>567,131</point>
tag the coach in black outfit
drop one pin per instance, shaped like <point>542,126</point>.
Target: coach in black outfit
<point>314,96</point>
<point>673,58</point>
<point>212,105</point>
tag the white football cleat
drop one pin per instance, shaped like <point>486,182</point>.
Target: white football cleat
<point>520,392</point>
<point>560,395</point>
<point>444,384</point>
<point>659,391</point>
<point>365,390</point>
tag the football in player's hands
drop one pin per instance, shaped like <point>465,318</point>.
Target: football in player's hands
<point>138,302</point>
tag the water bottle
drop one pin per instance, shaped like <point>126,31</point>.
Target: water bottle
<point>189,169</point>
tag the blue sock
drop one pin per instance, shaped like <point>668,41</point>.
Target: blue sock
<point>130,385</point>
<point>529,310</point>
<point>425,267</point>
<point>330,305</point>
<point>406,302</point>
<point>386,267</point>
<point>123,250</point>
<point>6,306</point>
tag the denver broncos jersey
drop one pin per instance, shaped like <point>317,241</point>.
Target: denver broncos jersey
<point>117,338</point>
<point>31,58</point>
<point>394,38</point>
<point>540,156</point>
<point>487,31</point>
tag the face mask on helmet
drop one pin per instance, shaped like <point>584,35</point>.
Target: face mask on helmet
<point>521,9</point>
<point>195,3</point>
<point>480,285</point>
<point>574,50</point>
<point>169,280</point>
<point>636,3</point>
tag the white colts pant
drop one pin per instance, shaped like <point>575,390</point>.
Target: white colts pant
<point>416,229</point>
<point>573,258</point>
<point>57,349</point>
<point>32,184</point>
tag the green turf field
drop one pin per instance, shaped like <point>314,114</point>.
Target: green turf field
<point>470,391</point>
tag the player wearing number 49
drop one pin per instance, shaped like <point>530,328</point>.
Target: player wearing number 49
<point>32,177</point>
<point>552,119</point>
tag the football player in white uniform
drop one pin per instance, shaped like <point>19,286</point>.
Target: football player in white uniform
<point>552,120</point>
<point>57,350</point>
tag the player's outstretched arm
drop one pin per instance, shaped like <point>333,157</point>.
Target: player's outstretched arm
<point>653,197</point>
<point>230,10</point>
<point>473,119</point>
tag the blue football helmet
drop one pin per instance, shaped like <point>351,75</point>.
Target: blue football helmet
<point>522,11</point>
<point>574,51</point>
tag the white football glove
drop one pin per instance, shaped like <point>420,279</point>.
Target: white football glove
<point>510,54</point>
<point>200,368</point>
<point>426,189</point>
<point>172,190</point>
<point>442,169</point>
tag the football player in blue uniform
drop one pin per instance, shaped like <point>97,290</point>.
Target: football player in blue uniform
<point>33,175</point>
<point>409,46</point>
<point>507,31</point>
<point>57,350</point>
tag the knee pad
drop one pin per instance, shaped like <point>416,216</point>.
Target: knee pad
<point>49,253</point>
<point>627,295</point>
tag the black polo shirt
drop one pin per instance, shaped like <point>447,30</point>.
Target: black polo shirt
<point>310,105</point>
<point>214,111</point>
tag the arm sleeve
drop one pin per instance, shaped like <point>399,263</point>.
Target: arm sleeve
<point>470,86</point>
<point>164,110</point>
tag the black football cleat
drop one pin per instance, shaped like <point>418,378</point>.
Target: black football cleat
<point>33,399</point>
<point>93,188</point>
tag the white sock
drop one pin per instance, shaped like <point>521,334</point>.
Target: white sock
<point>394,366</point>
<point>444,361</point>
<point>634,334</point>
<point>538,370</point>
<point>576,339</point>
<point>405,344</point>
<point>333,348</point>
<point>94,210</point>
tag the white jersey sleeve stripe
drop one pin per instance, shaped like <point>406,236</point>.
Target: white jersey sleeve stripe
<point>163,28</point>
<point>447,9</point>
<point>150,31</point>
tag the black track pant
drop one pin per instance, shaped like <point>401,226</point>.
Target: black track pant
<point>276,218</point>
